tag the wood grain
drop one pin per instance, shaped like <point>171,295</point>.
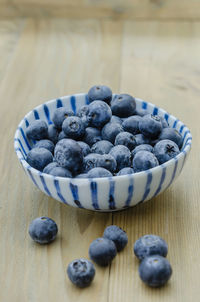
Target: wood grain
<point>53,57</point>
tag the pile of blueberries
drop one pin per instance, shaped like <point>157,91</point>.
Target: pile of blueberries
<point>108,137</point>
<point>154,269</point>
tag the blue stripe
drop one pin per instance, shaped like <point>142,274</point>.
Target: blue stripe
<point>36,114</point>
<point>24,137</point>
<point>148,184</point>
<point>44,185</point>
<point>144,105</point>
<point>73,103</point>
<point>188,139</point>
<point>175,123</point>
<point>57,186</point>
<point>166,116</point>
<point>59,103</point>
<point>26,122</point>
<point>22,147</point>
<point>86,99</point>
<point>181,128</point>
<point>31,176</point>
<point>130,192</point>
<point>174,172</point>
<point>94,194</point>
<point>74,190</point>
<point>47,114</point>
<point>111,194</point>
<point>155,111</point>
<point>161,181</point>
<point>186,132</point>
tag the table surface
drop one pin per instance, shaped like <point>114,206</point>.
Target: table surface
<point>44,59</point>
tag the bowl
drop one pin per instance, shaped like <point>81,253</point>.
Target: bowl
<point>108,193</point>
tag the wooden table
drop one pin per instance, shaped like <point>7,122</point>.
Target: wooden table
<point>45,58</point>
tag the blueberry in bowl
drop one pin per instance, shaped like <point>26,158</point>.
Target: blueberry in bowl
<point>83,157</point>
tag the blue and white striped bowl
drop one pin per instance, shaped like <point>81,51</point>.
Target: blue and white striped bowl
<point>101,194</point>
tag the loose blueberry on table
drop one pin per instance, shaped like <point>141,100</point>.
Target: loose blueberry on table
<point>117,235</point>
<point>81,272</point>
<point>43,230</point>
<point>102,251</point>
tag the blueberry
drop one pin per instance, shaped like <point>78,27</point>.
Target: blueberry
<point>141,139</point>
<point>150,126</point>
<point>82,113</point>
<point>155,271</point>
<point>102,147</point>
<point>62,135</point>
<point>99,172</point>
<point>49,167</point>
<point>122,156</point>
<point>149,245</point>
<point>108,162</point>
<point>110,131</point>
<point>84,147</point>
<point>131,124</point>
<point>73,127</point>
<point>43,230</point>
<point>91,161</point>
<point>53,133</point>
<point>102,251</point>
<point>164,122</point>
<point>100,92</point>
<point>143,147</point>
<point>165,150</point>
<point>127,139</point>
<point>116,119</point>
<point>37,130</point>
<point>68,154</point>
<point>46,144</point>
<point>60,171</point>
<point>99,114</point>
<point>39,158</point>
<point>173,135</point>
<point>60,114</point>
<point>81,272</point>
<point>82,175</point>
<point>92,135</point>
<point>123,105</point>
<point>144,160</point>
<point>125,171</point>
<point>117,235</point>
<point>141,112</point>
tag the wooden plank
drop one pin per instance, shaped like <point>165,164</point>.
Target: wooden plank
<point>120,9</point>
<point>52,58</point>
<point>159,64</point>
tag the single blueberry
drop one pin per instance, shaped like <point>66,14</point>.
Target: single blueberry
<point>149,245</point>
<point>49,167</point>
<point>68,154</point>
<point>84,147</point>
<point>141,139</point>
<point>150,126</point>
<point>102,147</point>
<point>82,113</point>
<point>116,119</point>
<point>127,139</point>
<point>81,272</point>
<point>143,147</point>
<point>62,135</point>
<point>37,130</point>
<point>60,114</point>
<point>43,230</point>
<point>91,161</point>
<point>108,162</point>
<point>122,156</point>
<point>92,135</point>
<point>131,124</point>
<point>99,172</point>
<point>173,135</point>
<point>102,251</point>
<point>144,160</point>
<point>123,105</point>
<point>99,113</point>
<point>60,171</point>
<point>39,158</point>
<point>117,235</point>
<point>100,92</point>
<point>73,127</point>
<point>141,112</point>
<point>125,171</point>
<point>165,150</point>
<point>110,131</point>
<point>155,271</point>
<point>53,133</point>
<point>46,144</point>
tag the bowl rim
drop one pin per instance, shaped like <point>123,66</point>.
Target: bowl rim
<point>26,166</point>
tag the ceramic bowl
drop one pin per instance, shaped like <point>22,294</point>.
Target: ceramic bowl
<point>101,194</point>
